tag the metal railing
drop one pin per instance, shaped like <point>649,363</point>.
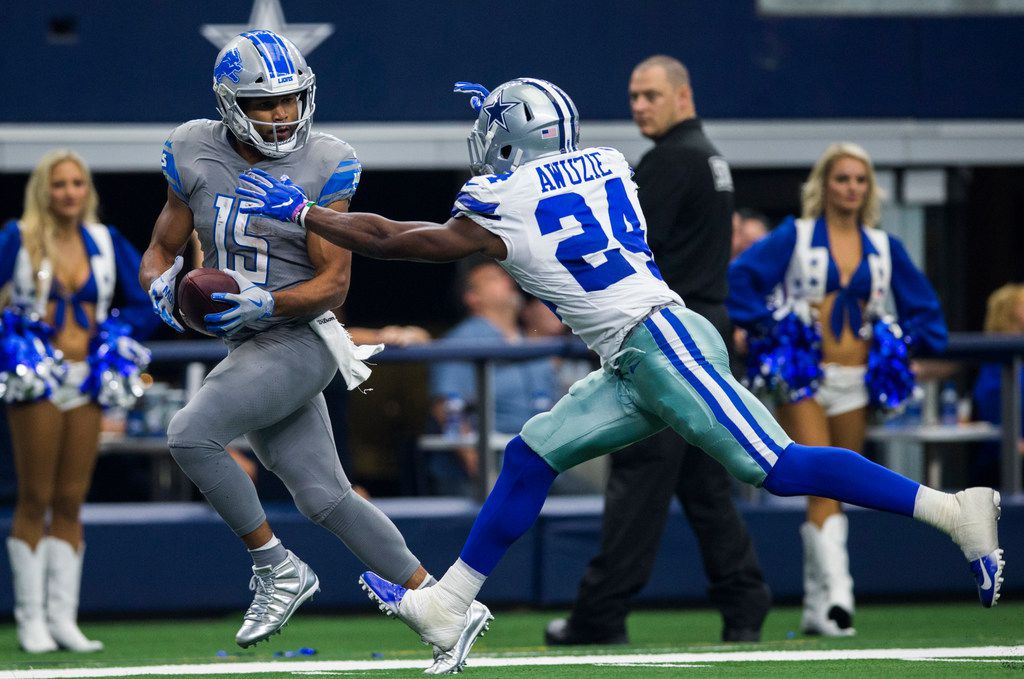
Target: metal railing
<point>972,347</point>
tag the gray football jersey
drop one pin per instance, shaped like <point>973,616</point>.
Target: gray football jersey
<point>202,168</point>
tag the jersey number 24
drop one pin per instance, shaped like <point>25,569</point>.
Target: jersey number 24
<point>576,252</point>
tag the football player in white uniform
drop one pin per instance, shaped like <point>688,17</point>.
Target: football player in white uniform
<point>567,225</point>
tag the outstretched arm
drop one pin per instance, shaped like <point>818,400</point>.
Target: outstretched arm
<point>381,238</point>
<point>368,234</point>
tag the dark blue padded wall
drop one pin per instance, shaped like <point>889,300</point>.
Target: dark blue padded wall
<point>181,558</point>
<point>396,60</point>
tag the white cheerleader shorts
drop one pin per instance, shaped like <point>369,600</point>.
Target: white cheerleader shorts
<point>69,396</point>
<point>842,389</point>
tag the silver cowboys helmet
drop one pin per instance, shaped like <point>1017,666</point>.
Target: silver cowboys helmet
<point>263,64</point>
<point>522,120</point>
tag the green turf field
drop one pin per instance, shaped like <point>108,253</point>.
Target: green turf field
<point>674,637</point>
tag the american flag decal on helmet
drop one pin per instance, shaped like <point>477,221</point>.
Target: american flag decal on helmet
<point>549,132</point>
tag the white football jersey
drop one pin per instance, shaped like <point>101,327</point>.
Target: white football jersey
<point>576,239</point>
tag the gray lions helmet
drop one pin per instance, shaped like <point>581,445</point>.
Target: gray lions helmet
<point>521,120</point>
<point>263,64</point>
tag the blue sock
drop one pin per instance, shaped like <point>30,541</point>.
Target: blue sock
<point>841,475</point>
<point>511,508</point>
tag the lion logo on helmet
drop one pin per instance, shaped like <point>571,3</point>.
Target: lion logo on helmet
<point>229,67</point>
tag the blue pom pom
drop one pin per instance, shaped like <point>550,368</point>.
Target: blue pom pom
<point>786,361</point>
<point>889,379</point>
<point>116,362</point>
<point>30,368</point>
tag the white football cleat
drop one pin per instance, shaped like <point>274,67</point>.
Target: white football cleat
<point>478,621</point>
<point>977,536</point>
<point>418,608</point>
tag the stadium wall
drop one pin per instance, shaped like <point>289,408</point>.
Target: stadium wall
<point>180,558</point>
<point>116,61</point>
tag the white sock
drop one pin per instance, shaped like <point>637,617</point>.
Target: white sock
<point>428,581</point>
<point>271,543</point>
<point>936,508</point>
<point>459,586</point>
<point>271,554</point>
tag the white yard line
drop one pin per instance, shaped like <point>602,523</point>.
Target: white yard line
<point>314,667</point>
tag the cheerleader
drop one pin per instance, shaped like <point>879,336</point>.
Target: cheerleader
<point>59,271</point>
<point>840,275</point>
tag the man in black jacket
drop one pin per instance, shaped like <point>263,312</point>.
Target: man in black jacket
<point>686,192</point>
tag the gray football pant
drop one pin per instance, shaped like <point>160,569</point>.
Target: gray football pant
<point>268,388</point>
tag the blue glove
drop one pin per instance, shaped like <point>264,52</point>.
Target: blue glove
<point>252,303</point>
<point>479,93</point>
<point>161,294</point>
<point>275,198</point>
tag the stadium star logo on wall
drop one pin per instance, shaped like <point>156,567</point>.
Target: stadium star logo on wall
<point>268,15</point>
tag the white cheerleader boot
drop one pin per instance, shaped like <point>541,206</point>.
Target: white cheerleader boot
<point>835,564</point>
<point>27,570</point>
<point>63,581</point>
<point>815,620</point>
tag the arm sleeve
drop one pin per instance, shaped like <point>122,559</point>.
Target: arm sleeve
<point>169,165</point>
<point>755,273</point>
<point>136,310</point>
<point>916,302</point>
<point>343,182</point>
<point>10,244</point>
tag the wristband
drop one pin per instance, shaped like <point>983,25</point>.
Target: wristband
<point>299,216</point>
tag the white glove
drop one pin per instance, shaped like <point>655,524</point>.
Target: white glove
<point>161,294</point>
<point>252,303</point>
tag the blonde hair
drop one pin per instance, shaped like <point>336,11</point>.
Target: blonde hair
<point>1000,311</point>
<point>38,225</point>
<point>812,193</point>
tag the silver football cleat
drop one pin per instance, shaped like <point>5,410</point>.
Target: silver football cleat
<point>478,621</point>
<point>280,590</point>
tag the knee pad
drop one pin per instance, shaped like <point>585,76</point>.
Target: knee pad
<point>316,502</point>
<point>178,430</point>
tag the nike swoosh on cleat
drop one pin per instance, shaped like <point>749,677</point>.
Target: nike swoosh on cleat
<point>986,582</point>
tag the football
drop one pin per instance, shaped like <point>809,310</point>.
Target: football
<point>194,296</point>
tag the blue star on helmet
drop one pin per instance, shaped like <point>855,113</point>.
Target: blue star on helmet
<point>496,112</point>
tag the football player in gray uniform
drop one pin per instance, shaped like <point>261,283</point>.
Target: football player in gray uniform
<point>284,342</point>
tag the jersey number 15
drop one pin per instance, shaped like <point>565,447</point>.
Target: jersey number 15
<point>231,227</point>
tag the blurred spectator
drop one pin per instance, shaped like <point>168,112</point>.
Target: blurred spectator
<point>539,321</point>
<point>66,266</point>
<point>748,227</point>
<point>521,388</point>
<point>836,261</point>
<point>1004,314</point>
